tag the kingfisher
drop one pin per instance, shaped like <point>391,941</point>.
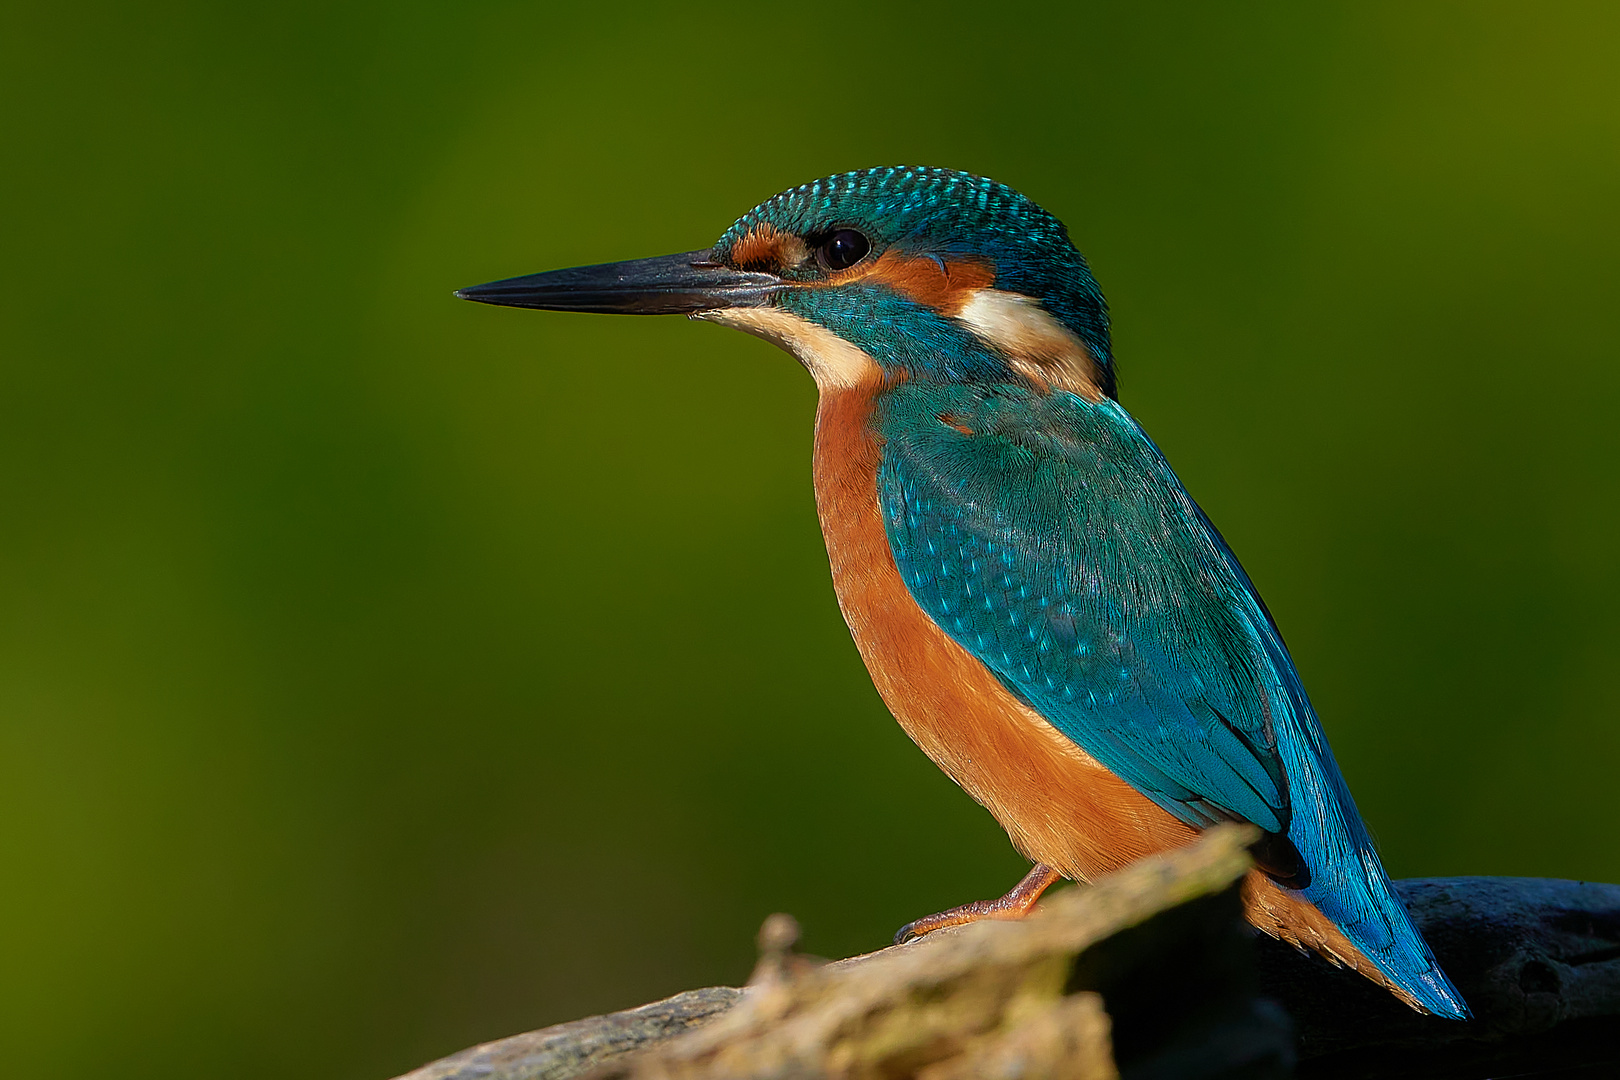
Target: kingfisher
<point>1039,601</point>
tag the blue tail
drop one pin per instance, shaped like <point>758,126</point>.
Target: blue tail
<point>1348,883</point>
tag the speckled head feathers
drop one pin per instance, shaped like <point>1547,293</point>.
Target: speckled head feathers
<point>949,217</point>
<point>899,203</point>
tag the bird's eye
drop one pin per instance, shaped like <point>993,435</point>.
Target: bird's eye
<point>843,249</point>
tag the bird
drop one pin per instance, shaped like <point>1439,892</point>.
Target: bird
<point>1040,603</point>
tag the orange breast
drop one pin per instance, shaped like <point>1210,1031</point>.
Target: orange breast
<point>1058,804</point>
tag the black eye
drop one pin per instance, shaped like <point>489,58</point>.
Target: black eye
<point>843,249</point>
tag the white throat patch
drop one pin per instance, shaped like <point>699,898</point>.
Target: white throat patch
<point>834,363</point>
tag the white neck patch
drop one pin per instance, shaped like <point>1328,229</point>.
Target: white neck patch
<point>1039,347</point>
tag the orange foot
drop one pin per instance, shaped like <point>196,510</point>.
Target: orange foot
<point>1015,905</point>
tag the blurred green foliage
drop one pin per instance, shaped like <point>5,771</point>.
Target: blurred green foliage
<point>381,673</point>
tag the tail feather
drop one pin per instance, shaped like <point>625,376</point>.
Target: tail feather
<point>1289,916</point>
<point>1349,890</point>
<point>1348,907</point>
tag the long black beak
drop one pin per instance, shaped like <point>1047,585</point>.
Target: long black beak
<point>666,285</point>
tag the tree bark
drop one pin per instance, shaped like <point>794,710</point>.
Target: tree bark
<point>1147,973</point>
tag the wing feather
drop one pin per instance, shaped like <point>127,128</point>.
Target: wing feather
<point>1048,536</point>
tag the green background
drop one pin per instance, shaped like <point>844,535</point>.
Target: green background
<point>381,673</point>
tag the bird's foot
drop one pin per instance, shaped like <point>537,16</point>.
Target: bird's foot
<point>1015,905</point>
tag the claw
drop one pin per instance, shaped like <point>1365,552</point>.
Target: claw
<point>1015,905</point>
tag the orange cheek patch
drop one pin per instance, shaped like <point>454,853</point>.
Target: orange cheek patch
<point>935,283</point>
<point>766,247</point>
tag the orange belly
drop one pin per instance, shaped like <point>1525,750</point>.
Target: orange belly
<point>1057,803</point>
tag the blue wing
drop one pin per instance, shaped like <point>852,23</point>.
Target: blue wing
<point>1049,537</point>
